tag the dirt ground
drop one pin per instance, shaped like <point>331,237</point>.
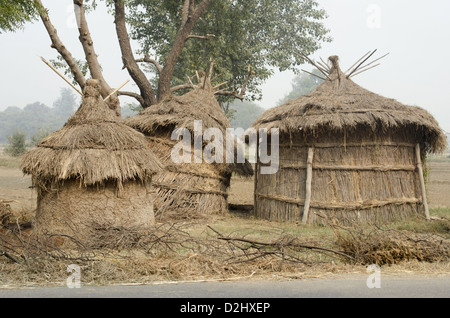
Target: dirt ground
<point>439,184</point>
<point>15,186</point>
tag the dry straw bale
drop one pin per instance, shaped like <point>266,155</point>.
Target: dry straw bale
<point>339,105</point>
<point>95,167</point>
<point>188,188</point>
<point>364,160</point>
<point>94,146</point>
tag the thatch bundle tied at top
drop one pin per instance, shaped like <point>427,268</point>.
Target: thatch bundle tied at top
<point>189,188</point>
<point>92,168</point>
<point>346,151</point>
<point>339,105</point>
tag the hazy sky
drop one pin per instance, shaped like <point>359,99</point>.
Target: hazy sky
<point>415,33</point>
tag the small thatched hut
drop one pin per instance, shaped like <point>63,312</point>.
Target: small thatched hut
<point>197,187</point>
<point>95,171</point>
<point>347,153</point>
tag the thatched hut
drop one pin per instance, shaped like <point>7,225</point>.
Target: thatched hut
<point>197,187</point>
<point>347,153</point>
<point>95,171</point>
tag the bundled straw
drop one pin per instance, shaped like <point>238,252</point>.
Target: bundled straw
<point>339,105</point>
<point>346,152</point>
<point>94,146</point>
<point>189,188</point>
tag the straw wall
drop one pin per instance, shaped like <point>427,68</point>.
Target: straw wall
<point>72,209</point>
<point>187,189</point>
<point>360,176</point>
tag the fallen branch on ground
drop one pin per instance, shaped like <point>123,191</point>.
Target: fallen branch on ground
<point>287,248</point>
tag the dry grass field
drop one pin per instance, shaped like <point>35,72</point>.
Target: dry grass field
<point>439,182</point>
<point>235,246</point>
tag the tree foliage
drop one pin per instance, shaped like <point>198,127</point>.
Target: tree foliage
<point>244,113</point>
<point>29,120</point>
<point>242,38</point>
<point>236,33</point>
<point>37,120</point>
<point>302,84</point>
<point>17,144</point>
<point>65,105</point>
<point>15,13</point>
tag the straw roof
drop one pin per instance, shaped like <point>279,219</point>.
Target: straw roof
<point>94,146</point>
<point>339,104</point>
<point>180,112</point>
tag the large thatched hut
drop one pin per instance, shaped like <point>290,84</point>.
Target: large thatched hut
<point>347,153</point>
<point>95,171</point>
<point>197,187</point>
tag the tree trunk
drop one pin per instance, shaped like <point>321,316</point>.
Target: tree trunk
<point>92,59</point>
<point>166,75</point>
<point>146,90</point>
<point>62,50</point>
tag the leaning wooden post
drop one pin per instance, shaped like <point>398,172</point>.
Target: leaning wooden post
<point>62,76</point>
<point>255,194</point>
<point>308,184</point>
<point>422,182</point>
<point>116,90</point>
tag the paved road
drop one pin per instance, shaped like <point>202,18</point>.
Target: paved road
<point>336,288</point>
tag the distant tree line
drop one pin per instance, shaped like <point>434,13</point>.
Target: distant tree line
<point>37,120</point>
<point>243,114</point>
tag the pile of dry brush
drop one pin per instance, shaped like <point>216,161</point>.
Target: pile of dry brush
<point>382,245</point>
<point>376,244</point>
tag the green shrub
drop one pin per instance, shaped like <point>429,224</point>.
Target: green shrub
<point>17,144</point>
<point>39,135</point>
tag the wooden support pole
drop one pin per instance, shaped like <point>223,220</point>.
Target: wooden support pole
<point>422,181</point>
<point>116,90</point>
<point>62,76</point>
<point>255,194</point>
<point>308,184</point>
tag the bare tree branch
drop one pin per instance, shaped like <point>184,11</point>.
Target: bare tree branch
<point>182,86</point>
<point>322,78</point>
<point>177,47</point>
<point>9,256</point>
<point>146,90</point>
<point>61,48</point>
<point>131,94</point>
<point>147,59</point>
<point>315,65</point>
<point>219,85</point>
<point>92,58</point>
<point>234,93</point>
<point>191,9</point>
<point>211,68</point>
<point>185,12</point>
<point>203,37</point>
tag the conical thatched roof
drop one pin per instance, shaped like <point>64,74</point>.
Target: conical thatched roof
<point>180,112</point>
<point>94,146</point>
<point>339,104</point>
